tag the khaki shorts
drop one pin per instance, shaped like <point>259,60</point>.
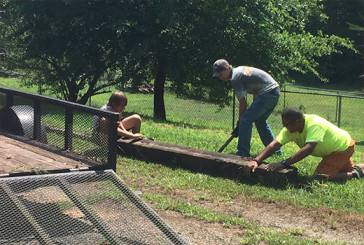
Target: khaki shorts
<point>336,162</point>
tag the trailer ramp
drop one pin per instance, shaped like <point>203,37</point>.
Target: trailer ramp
<point>91,207</point>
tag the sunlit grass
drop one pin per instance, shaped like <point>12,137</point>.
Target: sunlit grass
<point>347,196</point>
<point>198,129</point>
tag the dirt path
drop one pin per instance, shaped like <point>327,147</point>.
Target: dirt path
<point>314,224</point>
<point>199,232</point>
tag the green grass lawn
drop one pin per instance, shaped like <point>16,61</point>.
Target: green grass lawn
<point>201,125</point>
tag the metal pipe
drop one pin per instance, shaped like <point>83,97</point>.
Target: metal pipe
<point>37,121</point>
<point>68,134</point>
<point>113,135</point>
<point>339,116</point>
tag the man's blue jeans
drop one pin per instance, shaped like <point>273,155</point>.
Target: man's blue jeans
<point>258,112</point>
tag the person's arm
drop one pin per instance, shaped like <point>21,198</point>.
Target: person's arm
<point>267,152</point>
<point>242,106</point>
<point>305,151</point>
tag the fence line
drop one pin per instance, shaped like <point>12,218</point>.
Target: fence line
<point>338,101</point>
<point>61,121</point>
<point>323,89</point>
<point>343,110</point>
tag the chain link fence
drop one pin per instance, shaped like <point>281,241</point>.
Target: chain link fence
<point>67,126</point>
<point>344,109</point>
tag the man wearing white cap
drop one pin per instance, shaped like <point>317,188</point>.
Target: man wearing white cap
<point>249,80</point>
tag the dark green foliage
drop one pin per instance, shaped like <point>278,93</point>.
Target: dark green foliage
<point>80,48</point>
<point>66,46</point>
<point>345,20</point>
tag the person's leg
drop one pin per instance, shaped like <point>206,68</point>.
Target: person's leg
<point>255,111</point>
<point>337,166</point>
<point>265,132</point>
<point>245,134</point>
<point>356,173</point>
<point>132,122</point>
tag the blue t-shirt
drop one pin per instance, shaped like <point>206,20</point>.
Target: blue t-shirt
<point>249,80</point>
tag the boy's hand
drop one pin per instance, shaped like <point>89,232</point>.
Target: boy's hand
<point>138,135</point>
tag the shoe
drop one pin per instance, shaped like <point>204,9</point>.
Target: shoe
<point>358,172</point>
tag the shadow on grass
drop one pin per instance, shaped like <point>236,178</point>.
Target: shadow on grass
<point>302,182</point>
<point>237,175</point>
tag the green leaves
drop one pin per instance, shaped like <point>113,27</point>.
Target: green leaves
<point>80,48</point>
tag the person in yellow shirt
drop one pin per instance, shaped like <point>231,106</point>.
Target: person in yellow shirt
<point>317,137</point>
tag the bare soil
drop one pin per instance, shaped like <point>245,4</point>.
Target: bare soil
<point>323,225</point>
<point>200,232</point>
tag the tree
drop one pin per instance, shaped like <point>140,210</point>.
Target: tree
<point>71,45</point>
<point>66,46</point>
<point>345,19</point>
<point>181,39</point>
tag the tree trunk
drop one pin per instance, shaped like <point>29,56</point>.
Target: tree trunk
<point>159,108</point>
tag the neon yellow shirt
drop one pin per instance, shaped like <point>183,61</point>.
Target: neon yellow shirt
<point>330,138</point>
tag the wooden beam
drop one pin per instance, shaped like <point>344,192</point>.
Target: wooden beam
<point>216,163</point>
